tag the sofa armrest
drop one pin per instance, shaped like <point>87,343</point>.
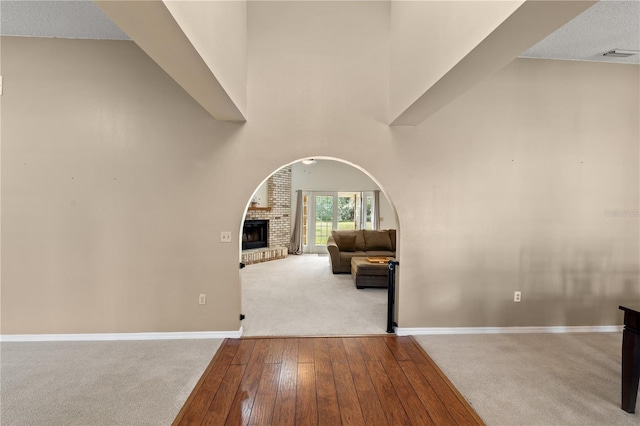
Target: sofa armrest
<point>334,254</point>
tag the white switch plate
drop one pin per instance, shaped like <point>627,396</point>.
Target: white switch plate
<point>225,237</point>
<point>202,300</point>
<point>517,296</point>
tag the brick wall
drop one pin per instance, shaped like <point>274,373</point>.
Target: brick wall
<point>279,208</point>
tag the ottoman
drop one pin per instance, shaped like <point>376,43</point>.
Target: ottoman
<point>369,274</point>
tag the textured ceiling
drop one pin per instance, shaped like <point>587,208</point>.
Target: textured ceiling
<point>609,24</point>
<point>57,19</point>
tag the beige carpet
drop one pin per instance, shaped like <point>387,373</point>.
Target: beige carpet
<point>99,383</point>
<point>536,379</point>
<point>300,296</point>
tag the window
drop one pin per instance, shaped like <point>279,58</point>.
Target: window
<point>328,211</point>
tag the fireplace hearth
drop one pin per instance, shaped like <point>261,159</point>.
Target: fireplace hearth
<point>255,234</point>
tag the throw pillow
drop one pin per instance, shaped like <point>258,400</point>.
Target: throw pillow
<point>347,243</point>
<point>378,240</point>
<point>359,234</point>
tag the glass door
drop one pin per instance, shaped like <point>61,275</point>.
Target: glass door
<point>347,218</point>
<point>367,210</point>
<point>322,213</point>
<point>328,211</point>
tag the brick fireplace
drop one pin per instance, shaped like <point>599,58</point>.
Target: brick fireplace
<point>278,214</point>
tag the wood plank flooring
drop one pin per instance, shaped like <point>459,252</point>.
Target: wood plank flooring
<point>382,380</point>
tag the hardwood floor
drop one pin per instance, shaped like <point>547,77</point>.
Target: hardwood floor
<point>383,380</point>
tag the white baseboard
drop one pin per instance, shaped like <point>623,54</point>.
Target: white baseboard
<point>507,330</point>
<point>83,337</point>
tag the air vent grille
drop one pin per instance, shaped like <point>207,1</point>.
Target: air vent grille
<point>620,53</point>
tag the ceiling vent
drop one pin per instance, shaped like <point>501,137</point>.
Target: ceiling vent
<point>620,53</point>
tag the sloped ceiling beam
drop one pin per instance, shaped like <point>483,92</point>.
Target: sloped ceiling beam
<point>152,27</point>
<point>528,24</point>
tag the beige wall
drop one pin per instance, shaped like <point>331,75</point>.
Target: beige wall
<point>109,198</point>
<point>519,174</point>
<point>113,178</point>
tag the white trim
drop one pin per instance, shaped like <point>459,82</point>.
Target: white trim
<point>120,336</point>
<point>508,330</point>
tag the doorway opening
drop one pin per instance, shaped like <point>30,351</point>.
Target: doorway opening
<point>299,294</point>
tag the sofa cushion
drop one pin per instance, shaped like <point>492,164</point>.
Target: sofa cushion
<point>349,254</point>
<point>377,240</point>
<point>347,243</point>
<point>360,244</point>
<point>345,256</point>
<point>345,259</point>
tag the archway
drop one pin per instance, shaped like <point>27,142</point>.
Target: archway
<point>305,290</point>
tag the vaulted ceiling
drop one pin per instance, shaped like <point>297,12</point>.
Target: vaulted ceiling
<point>169,32</point>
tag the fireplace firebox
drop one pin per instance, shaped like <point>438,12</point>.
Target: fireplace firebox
<point>255,234</point>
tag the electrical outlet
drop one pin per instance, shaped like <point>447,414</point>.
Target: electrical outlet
<point>225,237</point>
<point>517,296</point>
<point>202,300</point>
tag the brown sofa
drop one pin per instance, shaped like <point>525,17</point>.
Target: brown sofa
<point>344,245</point>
